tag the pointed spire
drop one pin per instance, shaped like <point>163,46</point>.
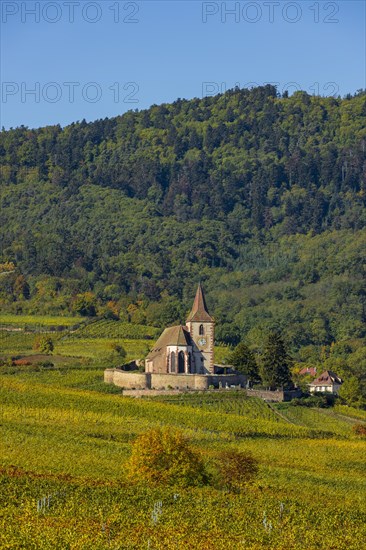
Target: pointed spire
<point>199,310</point>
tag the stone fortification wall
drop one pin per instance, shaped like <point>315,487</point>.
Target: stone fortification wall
<point>128,380</point>
<point>179,381</point>
<point>145,380</point>
<point>108,376</point>
<point>150,393</point>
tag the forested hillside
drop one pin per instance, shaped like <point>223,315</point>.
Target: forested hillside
<point>259,196</point>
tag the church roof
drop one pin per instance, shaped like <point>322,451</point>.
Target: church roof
<point>172,336</point>
<point>199,310</point>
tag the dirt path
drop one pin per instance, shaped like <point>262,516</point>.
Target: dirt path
<point>281,415</point>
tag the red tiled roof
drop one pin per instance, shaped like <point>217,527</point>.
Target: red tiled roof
<point>326,378</point>
<point>308,370</point>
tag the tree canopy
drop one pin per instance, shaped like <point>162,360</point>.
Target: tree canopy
<point>275,367</point>
<point>164,457</point>
<point>243,359</point>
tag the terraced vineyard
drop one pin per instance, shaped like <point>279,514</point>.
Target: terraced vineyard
<point>350,412</point>
<point>327,419</point>
<point>7,320</point>
<point>12,343</point>
<point>66,439</point>
<point>228,402</point>
<point>91,340</point>
<point>99,348</point>
<point>116,329</point>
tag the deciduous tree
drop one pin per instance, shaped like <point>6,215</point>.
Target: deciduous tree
<point>243,359</point>
<point>164,457</point>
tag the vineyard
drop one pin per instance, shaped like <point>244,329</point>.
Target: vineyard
<point>230,403</point>
<point>98,349</point>
<point>91,340</point>
<point>66,437</point>
<point>327,419</point>
<point>38,321</point>
<point>116,329</point>
<point>63,479</point>
<point>12,343</point>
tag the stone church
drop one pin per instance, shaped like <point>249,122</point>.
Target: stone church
<point>186,349</point>
<point>182,359</point>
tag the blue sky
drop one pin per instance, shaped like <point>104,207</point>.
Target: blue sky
<point>62,61</point>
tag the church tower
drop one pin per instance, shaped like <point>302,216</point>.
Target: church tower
<point>202,330</point>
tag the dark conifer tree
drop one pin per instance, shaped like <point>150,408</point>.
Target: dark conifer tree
<point>275,371</point>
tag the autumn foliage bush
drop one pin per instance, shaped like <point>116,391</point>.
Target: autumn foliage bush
<point>164,457</point>
<point>44,344</point>
<point>236,469</point>
<point>359,429</point>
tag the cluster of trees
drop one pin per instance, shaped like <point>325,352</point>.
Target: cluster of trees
<point>165,457</point>
<point>272,367</point>
<point>294,162</point>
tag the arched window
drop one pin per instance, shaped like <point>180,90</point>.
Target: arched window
<point>189,359</point>
<point>201,330</point>
<point>172,362</point>
<point>181,362</point>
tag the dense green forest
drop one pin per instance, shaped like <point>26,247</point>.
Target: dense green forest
<point>260,197</point>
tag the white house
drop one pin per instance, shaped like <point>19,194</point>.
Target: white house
<point>328,382</point>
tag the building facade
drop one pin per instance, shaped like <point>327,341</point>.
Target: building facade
<point>328,382</point>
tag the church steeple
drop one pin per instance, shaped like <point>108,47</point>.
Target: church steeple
<point>199,311</point>
<point>201,327</point>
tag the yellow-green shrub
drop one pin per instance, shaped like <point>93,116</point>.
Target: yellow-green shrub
<point>164,457</point>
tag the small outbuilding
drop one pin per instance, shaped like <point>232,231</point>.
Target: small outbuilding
<point>311,371</point>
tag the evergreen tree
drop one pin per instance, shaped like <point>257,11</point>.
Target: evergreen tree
<point>275,368</point>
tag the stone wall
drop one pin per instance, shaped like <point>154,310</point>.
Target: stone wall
<point>108,376</point>
<point>195,381</point>
<point>178,381</point>
<point>150,393</point>
<point>278,395</point>
<point>145,380</point>
<point>128,380</point>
